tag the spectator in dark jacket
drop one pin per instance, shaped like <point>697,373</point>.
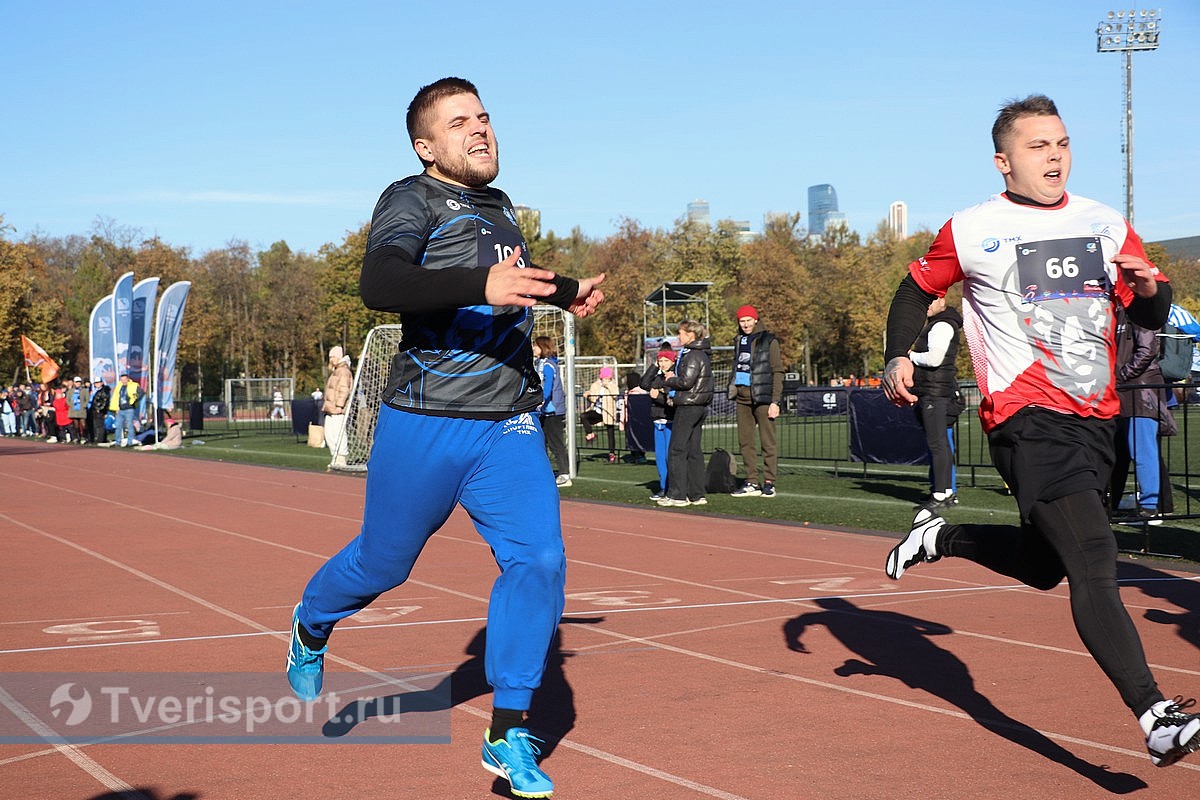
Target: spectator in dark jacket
<point>692,382</point>
<point>1144,419</point>
<point>935,384</point>
<point>27,405</point>
<point>756,386</point>
<point>101,395</point>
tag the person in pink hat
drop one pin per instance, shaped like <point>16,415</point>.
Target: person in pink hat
<point>602,411</point>
<point>662,411</point>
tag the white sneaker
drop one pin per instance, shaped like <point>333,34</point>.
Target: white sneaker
<point>748,490</point>
<point>1174,734</point>
<point>671,501</point>
<point>917,546</point>
<point>562,480</point>
<point>702,501</point>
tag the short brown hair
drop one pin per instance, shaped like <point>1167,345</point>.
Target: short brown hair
<point>697,329</point>
<point>547,346</point>
<point>1035,105</point>
<point>417,120</point>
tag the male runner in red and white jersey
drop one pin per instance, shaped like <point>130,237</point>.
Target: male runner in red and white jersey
<point>1042,271</point>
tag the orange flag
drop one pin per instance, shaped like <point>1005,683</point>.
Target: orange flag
<point>36,357</point>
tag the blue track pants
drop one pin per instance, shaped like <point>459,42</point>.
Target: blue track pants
<point>420,468</point>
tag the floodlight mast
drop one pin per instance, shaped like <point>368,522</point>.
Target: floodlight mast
<point>1124,32</point>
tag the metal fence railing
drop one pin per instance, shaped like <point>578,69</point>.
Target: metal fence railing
<point>825,438</point>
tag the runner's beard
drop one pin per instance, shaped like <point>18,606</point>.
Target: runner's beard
<point>466,171</point>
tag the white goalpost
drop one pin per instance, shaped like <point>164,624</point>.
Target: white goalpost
<point>366,394</point>
<point>374,363</point>
<point>255,399</point>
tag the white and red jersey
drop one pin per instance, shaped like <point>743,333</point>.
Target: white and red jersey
<point>1039,285</point>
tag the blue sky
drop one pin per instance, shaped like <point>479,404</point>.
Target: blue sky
<point>261,121</point>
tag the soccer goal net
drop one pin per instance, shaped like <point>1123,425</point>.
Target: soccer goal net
<point>258,399</point>
<point>370,380</point>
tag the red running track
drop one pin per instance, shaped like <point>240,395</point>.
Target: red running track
<point>700,656</point>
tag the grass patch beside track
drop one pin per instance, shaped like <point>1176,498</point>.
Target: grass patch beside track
<point>879,499</point>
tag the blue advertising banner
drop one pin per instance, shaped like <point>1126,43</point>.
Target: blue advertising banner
<point>166,341</point>
<point>102,365</point>
<point>819,401</point>
<point>122,317</point>
<point>881,433</point>
<point>141,323</point>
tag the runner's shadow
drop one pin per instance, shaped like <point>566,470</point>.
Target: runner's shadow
<point>901,647</point>
<point>1183,593</point>
<point>551,716</point>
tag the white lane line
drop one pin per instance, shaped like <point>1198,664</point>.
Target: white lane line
<point>611,758</point>
<point>773,673</point>
<point>618,635</point>
<point>71,752</point>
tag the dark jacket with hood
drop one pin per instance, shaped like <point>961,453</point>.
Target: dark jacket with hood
<point>1137,369</point>
<point>693,378</point>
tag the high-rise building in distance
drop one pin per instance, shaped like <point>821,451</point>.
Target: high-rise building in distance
<point>822,203</point>
<point>697,211</point>
<point>898,219</point>
<point>741,229</point>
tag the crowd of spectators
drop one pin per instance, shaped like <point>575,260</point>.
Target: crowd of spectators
<point>73,411</point>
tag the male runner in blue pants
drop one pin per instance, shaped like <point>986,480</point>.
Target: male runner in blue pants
<point>457,425</point>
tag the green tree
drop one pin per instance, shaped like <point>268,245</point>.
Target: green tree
<point>632,263</point>
<point>23,310</point>
<point>775,281</point>
<point>346,320</point>
<point>290,299</point>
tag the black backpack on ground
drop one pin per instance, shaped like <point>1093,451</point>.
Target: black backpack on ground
<point>721,476</point>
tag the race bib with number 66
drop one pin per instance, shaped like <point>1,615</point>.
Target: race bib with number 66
<point>1061,268</point>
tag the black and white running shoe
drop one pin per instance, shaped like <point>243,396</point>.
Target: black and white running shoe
<point>1174,734</point>
<point>913,548</point>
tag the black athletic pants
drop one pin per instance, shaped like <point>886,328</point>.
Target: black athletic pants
<point>685,458</point>
<point>1069,537</point>
<point>933,415</point>
<point>554,427</point>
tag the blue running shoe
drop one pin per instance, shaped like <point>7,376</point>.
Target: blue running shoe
<point>305,668</point>
<point>514,758</point>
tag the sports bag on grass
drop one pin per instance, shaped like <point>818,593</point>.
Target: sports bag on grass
<point>721,477</point>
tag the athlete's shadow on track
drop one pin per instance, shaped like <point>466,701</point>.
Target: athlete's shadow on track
<point>901,647</point>
<point>1183,593</point>
<point>551,716</point>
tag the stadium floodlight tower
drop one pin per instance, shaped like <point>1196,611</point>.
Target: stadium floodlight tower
<point>1125,32</point>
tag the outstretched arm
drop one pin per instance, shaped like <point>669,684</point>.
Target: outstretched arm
<point>906,317</point>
